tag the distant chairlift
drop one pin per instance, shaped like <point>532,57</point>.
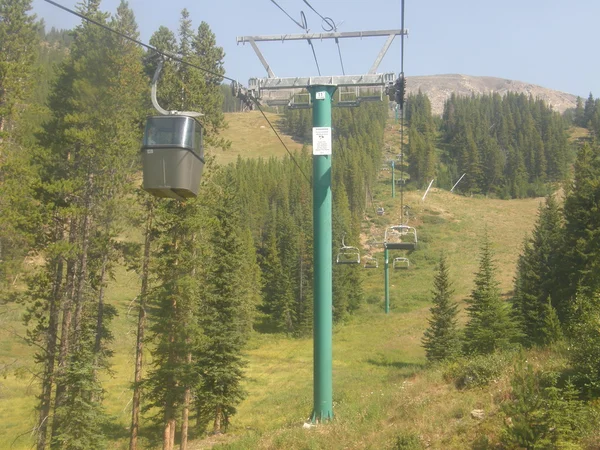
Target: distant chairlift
<point>401,263</point>
<point>370,262</point>
<point>400,237</point>
<point>348,255</point>
<point>380,211</point>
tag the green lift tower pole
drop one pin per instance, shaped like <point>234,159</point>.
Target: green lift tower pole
<point>323,249</point>
<point>386,280</point>
<point>393,181</point>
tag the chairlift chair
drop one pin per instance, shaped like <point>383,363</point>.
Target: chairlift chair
<point>347,254</point>
<point>401,262</point>
<point>301,100</point>
<point>380,211</point>
<point>400,237</point>
<point>370,262</point>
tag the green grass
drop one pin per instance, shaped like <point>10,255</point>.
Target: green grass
<point>251,137</point>
<point>382,387</point>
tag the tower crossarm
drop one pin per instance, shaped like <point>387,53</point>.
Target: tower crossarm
<point>321,36</point>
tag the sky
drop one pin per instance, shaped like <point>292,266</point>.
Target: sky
<point>550,43</point>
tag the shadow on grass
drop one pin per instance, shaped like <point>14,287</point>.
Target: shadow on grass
<point>383,361</point>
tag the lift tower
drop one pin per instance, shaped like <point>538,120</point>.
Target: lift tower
<point>321,90</point>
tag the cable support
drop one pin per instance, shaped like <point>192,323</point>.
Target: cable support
<point>140,43</point>
<point>329,25</point>
<point>302,24</point>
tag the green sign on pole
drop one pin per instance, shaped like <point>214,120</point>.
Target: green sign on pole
<point>321,97</point>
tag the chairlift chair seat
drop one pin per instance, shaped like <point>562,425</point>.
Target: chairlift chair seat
<point>400,245</point>
<point>348,257</point>
<point>348,254</point>
<point>400,237</point>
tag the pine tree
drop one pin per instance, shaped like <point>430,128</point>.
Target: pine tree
<point>19,47</point>
<point>441,340</point>
<point>579,262</point>
<point>537,273</point>
<point>86,158</point>
<point>178,335</point>
<point>175,304</point>
<point>229,297</point>
<point>19,43</point>
<point>589,111</point>
<point>578,118</point>
<point>489,327</point>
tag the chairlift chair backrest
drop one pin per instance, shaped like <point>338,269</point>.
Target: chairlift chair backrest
<point>370,262</point>
<point>401,262</point>
<point>347,254</point>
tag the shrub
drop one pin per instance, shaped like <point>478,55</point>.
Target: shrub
<point>477,371</point>
<point>407,441</point>
<point>542,415</point>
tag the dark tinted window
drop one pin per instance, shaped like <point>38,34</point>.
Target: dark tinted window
<point>169,130</point>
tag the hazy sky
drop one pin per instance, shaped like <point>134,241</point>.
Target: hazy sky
<point>547,42</point>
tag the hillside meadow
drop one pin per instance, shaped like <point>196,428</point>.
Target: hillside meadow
<point>383,388</point>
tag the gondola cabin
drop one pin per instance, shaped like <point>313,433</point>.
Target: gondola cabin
<point>172,156</point>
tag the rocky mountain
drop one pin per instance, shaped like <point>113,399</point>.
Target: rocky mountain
<point>439,87</point>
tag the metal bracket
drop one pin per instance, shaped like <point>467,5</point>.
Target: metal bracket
<point>161,110</point>
<point>262,58</point>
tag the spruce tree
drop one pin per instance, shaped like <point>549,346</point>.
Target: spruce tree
<point>537,272</point>
<point>228,300</point>
<point>86,159</point>
<point>578,118</point>
<point>441,340</point>
<point>489,326</point>
<point>19,47</point>
<point>580,262</point>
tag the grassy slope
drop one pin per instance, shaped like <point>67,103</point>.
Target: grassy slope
<point>380,385</point>
<point>251,136</point>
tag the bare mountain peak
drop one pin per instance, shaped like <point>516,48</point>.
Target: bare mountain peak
<point>440,87</point>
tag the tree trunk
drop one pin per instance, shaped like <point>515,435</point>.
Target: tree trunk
<point>51,344</point>
<point>83,255</point>
<point>185,415</point>
<point>65,333</point>
<point>169,432</point>
<point>217,422</point>
<point>100,318</point>
<point>139,348</point>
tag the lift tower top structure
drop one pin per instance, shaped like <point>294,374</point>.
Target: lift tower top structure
<point>321,90</point>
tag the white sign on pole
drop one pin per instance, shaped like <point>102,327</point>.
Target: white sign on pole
<point>320,95</point>
<point>321,141</point>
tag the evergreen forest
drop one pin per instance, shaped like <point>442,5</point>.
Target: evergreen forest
<point>201,311</point>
